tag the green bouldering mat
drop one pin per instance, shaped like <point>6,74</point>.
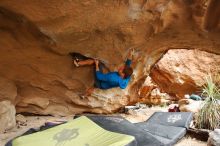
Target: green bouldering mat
<point>78,132</point>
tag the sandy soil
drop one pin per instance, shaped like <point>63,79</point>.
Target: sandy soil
<point>132,116</point>
<point>188,141</point>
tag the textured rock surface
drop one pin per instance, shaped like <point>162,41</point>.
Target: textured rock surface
<point>183,71</point>
<point>189,105</point>
<point>38,35</point>
<point>8,90</point>
<point>7,115</point>
<point>150,93</point>
<point>214,138</point>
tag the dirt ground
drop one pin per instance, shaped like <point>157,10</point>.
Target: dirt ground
<point>132,116</point>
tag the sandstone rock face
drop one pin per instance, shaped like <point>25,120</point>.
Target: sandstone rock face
<point>182,71</point>
<point>38,35</point>
<point>7,115</point>
<point>150,93</point>
<point>8,90</point>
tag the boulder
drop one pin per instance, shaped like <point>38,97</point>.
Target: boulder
<point>214,138</point>
<point>189,105</point>
<point>7,116</point>
<point>182,71</point>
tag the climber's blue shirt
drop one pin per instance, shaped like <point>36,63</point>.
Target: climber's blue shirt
<point>113,79</point>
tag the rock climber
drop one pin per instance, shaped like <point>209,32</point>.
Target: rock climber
<point>108,80</point>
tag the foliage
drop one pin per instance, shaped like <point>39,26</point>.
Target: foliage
<point>209,115</point>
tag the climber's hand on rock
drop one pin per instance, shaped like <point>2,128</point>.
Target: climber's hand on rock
<point>96,62</point>
<point>97,65</point>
